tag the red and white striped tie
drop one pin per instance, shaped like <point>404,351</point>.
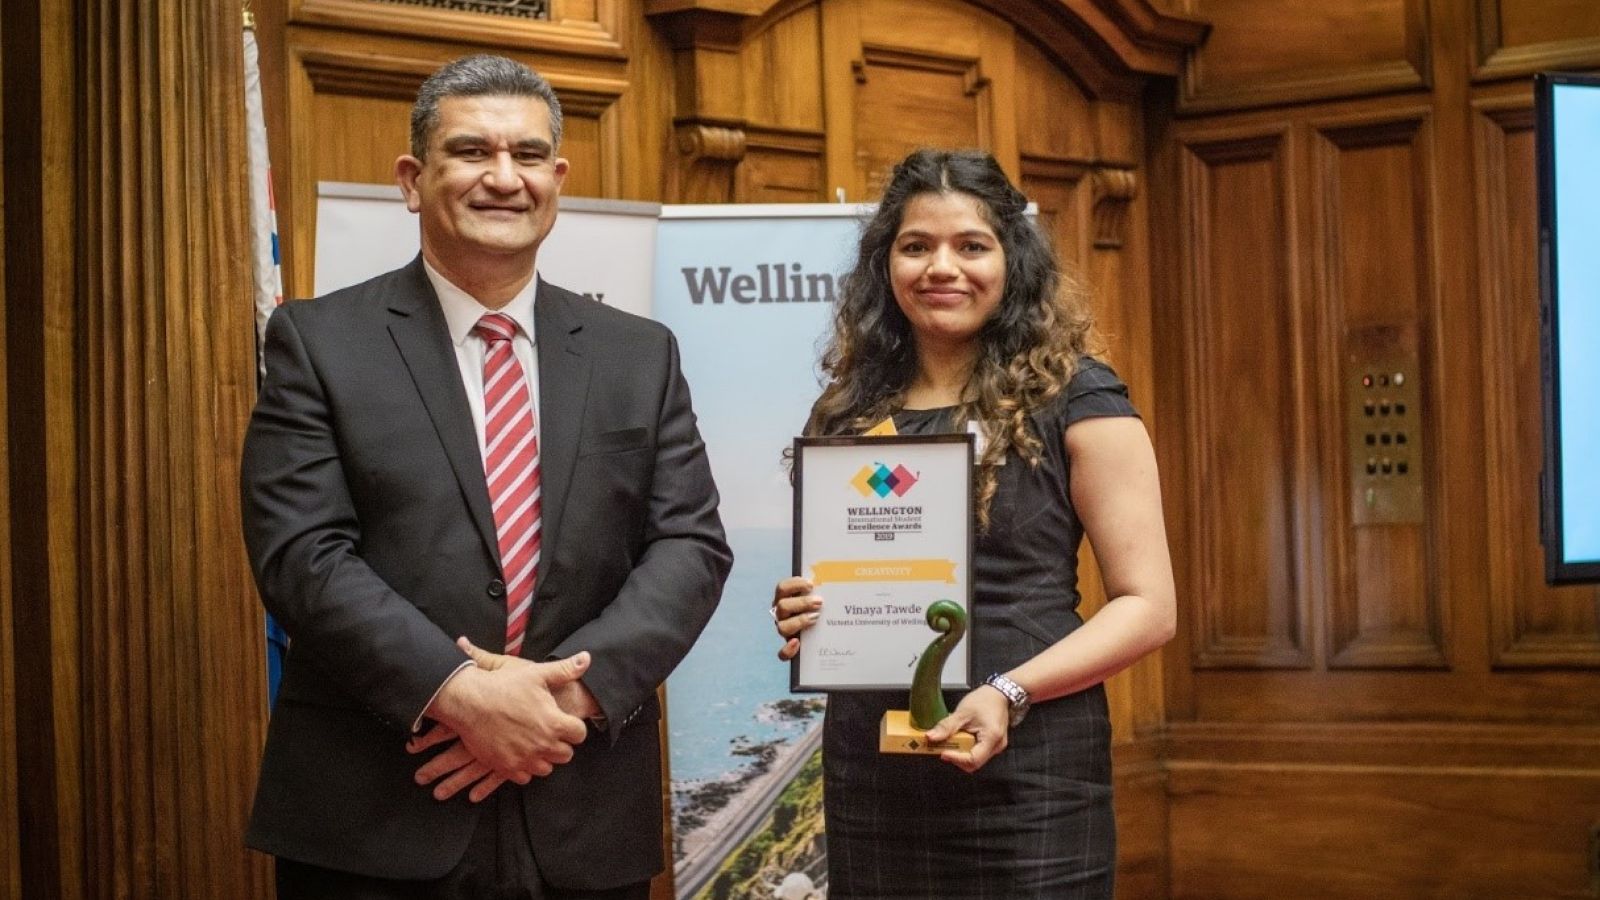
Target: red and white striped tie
<point>511,464</point>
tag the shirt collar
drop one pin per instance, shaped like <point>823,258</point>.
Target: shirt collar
<point>462,310</point>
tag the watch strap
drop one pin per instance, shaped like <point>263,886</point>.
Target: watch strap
<point>1016,695</point>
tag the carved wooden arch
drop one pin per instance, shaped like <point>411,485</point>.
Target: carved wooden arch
<point>1112,46</point>
<point>1109,48</point>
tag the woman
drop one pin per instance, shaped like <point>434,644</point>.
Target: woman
<point>956,313</point>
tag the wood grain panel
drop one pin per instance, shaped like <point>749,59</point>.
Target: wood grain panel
<point>1422,744</point>
<point>1396,695</point>
<point>1388,831</point>
<point>583,144</point>
<point>1054,117</point>
<point>1429,810</point>
<point>128,375</point>
<point>592,133</point>
<point>1533,623</point>
<point>1516,39</point>
<point>589,27</point>
<point>782,72</point>
<point>1373,230</point>
<point>41,179</point>
<point>1546,22</point>
<point>906,100</point>
<point>1061,190</point>
<point>1139,789</point>
<point>1264,52</point>
<point>942,28</point>
<point>1110,46</point>
<point>782,166</point>
<point>1242,328</point>
<point>172,640</point>
<point>359,138</point>
<point>900,75</point>
<point>10,820</point>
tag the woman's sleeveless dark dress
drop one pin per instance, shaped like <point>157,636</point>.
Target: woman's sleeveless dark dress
<point>1037,820</point>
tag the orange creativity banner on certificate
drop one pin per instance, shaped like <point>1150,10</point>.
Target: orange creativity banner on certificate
<point>884,570</point>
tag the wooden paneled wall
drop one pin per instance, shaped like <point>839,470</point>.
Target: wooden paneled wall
<point>1355,707</point>
<point>1360,708</point>
<point>131,645</point>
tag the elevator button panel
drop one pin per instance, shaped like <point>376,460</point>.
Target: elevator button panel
<point>1383,427</point>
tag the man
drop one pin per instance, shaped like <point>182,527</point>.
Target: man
<point>458,455</point>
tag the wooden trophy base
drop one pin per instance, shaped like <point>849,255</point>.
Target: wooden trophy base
<point>896,734</point>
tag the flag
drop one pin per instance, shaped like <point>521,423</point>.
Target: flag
<point>269,274</point>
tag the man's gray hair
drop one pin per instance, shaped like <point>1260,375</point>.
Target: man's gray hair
<point>478,76</point>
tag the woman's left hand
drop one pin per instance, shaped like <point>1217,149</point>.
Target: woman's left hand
<point>986,713</point>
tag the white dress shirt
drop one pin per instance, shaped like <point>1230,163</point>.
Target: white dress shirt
<point>461,312</point>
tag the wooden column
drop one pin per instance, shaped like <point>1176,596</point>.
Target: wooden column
<point>10,864</point>
<point>709,128</point>
<point>139,672</point>
<point>38,85</point>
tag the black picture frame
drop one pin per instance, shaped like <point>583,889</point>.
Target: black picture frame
<point>801,445</point>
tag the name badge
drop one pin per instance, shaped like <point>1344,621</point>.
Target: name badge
<point>979,441</point>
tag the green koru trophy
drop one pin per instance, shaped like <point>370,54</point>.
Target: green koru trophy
<point>905,731</point>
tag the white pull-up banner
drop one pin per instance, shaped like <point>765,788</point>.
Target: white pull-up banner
<point>601,248</point>
<point>748,290</point>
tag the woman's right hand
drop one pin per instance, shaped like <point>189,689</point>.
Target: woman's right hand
<point>794,609</point>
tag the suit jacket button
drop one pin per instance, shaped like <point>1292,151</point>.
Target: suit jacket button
<point>497,589</point>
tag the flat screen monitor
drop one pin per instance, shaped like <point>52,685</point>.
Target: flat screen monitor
<point>1567,125</point>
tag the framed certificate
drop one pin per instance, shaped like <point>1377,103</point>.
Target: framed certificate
<point>883,529</point>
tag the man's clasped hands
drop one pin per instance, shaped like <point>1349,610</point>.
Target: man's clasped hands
<point>511,719</point>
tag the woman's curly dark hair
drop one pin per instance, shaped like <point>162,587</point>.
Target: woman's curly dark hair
<point>1027,351</point>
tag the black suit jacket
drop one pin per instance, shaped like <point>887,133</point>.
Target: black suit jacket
<point>367,520</point>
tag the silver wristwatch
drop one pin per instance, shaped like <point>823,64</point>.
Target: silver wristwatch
<point>1015,693</point>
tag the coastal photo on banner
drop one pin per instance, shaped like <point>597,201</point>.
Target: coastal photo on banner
<point>748,290</point>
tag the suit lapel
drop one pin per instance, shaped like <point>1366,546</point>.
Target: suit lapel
<point>418,327</point>
<point>563,393</point>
